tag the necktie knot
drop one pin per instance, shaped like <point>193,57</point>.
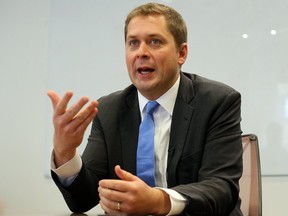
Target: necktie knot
<point>151,106</point>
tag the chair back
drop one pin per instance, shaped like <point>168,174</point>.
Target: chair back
<point>250,182</point>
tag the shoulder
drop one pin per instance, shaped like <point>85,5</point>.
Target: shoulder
<point>118,100</point>
<point>203,85</point>
<point>207,91</point>
<point>113,106</point>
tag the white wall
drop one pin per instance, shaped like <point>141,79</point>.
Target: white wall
<point>23,68</point>
<point>24,32</point>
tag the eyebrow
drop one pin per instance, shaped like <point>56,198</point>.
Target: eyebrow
<point>149,35</point>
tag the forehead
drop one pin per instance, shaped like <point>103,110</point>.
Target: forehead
<point>151,24</point>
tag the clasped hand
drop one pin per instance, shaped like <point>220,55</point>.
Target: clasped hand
<point>131,196</point>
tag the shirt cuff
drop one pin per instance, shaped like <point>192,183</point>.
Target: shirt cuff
<point>178,201</point>
<point>68,171</point>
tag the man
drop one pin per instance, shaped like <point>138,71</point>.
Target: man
<point>198,151</point>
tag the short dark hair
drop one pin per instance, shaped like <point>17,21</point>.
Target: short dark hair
<point>175,23</point>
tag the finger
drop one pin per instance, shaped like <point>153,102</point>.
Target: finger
<point>112,206</point>
<point>119,185</point>
<point>53,97</point>
<point>76,107</point>
<point>124,175</point>
<point>109,195</point>
<point>111,188</point>
<point>108,203</point>
<point>61,106</point>
<point>113,210</point>
<point>104,207</point>
<point>84,118</point>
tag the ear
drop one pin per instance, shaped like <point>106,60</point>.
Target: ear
<point>183,52</point>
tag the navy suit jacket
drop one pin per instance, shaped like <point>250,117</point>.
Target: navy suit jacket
<point>205,150</point>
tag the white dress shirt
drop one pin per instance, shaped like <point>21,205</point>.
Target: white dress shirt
<point>162,118</point>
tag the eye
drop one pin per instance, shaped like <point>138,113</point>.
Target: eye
<point>155,42</point>
<point>133,43</point>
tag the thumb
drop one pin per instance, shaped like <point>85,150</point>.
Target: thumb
<point>124,175</point>
<point>53,97</point>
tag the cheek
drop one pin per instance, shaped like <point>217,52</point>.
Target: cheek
<point>170,63</point>
<point>129,59</point>
<point>129,65</point>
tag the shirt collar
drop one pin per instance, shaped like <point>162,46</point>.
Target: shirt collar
<point>167,100</point>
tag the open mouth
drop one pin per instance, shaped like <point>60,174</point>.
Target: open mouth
<point>145,70</point>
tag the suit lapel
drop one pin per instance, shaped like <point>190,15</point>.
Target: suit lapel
<point>181,121</point>
<point>129,124</point>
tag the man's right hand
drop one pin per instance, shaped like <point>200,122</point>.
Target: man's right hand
<point>69,124</point>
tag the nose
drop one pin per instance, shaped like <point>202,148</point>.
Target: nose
<point>143,51</point>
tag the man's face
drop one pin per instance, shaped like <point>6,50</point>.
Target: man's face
<point>152,59</point>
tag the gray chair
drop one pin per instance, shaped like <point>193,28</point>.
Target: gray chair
<point>250,182</point>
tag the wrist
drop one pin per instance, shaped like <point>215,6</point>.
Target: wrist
<point>163,207</point>
<point>62,157</point>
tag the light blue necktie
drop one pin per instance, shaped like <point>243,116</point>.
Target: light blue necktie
<point>145,150</point>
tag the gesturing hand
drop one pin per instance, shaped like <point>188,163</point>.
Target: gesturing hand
<point>130,195</point>
<point>69,124</point>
